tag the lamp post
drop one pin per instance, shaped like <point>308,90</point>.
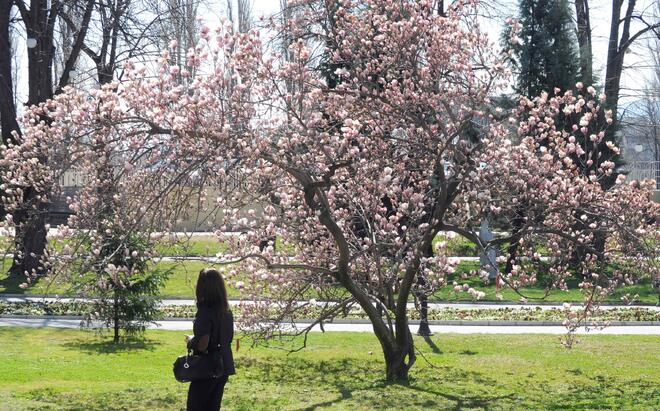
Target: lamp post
<point>31,42</point>
<point>424,329</point>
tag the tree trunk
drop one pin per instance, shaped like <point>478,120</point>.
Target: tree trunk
<point>424,329</point>
<point>8,122</point>
<point>584,41</point>
<point>511,252</point>
<point>30,238</point>
<point>395,355</point>
<point>31,242</point>
<point>516,225</point>
<point>396,369</point>
<point>397,344</point>
<point>398,350</point>
<point>614,63</point>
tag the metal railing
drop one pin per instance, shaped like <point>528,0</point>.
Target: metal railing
<point>644,170</point>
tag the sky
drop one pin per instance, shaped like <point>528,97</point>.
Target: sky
<point>638,62</point>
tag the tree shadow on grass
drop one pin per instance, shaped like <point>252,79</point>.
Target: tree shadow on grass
<point>109,347</point>
<point>434,348</point>
<point>134,398</point>
<point>469,401</point>
<point>10,284</point>
<point>600,392</point>
<point>354,379</point>
<point>343,383</point>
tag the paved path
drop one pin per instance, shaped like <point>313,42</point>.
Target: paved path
<point>433,306</point>
<point>181,325</point>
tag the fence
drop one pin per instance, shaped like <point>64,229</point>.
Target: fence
<point>645,170</point>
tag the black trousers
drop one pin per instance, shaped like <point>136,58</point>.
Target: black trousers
<point>206,395</point>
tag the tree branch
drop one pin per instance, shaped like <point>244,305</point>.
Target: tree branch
<point>77,46</point>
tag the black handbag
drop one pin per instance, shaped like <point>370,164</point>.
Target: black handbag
<point>196,367</point>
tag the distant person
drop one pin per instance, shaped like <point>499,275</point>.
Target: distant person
<point>213,330</point>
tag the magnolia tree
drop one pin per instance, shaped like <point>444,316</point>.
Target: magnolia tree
<point>353,174</point>
<point>566,209</point>
<point>138,180</point>
<point>359,178</point>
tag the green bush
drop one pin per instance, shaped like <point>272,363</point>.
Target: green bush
<point>127,290</point>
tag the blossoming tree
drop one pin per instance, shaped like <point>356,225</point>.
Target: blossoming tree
<point>353,175</point>
<point>362,176</point>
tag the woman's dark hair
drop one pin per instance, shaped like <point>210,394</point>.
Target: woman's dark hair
<point>211,291</point>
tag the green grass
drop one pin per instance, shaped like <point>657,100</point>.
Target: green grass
<point>51,369</point>
<point>205,245</point>
<point>647,294</point>
<point>182,282</point>
<point>199,245</point>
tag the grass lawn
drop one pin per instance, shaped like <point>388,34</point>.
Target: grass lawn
<point>182,284</point>
<point>182,281</point>
<point>647,294</point>
<point>54,369</point>
<point>200,245</point>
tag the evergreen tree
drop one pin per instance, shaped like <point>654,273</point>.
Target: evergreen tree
<point>546,55</point>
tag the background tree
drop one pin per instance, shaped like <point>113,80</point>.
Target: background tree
<point>126,297</point>
<point>641,121</point>
<point>542,46</point>
<point>622,36</point>
<point>627,25</point>
<point>583,23</point>
<point>121,33</point>
<point>177,21</point>
<point>39,21</point>
<point>7,86</point>
<point>545,55</point>
<point>125,284</point>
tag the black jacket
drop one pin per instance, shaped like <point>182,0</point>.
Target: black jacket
<point>221,331</point>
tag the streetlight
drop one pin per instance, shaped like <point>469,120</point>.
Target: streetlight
<point>424,329</point>
<point>31,42</point>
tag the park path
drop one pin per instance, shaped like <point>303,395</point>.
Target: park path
<point>432,305</point>
<point>186,325</point>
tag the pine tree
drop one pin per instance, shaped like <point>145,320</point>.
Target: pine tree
<point>546,55</point>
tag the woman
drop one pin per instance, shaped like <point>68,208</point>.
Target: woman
<point>214,330</point>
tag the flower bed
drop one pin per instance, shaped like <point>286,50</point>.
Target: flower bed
<point>61,308</point>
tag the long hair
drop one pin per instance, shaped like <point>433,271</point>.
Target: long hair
<point>211,291</point>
